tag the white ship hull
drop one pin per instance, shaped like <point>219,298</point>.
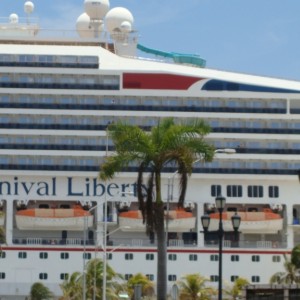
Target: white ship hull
<point>57,97</point>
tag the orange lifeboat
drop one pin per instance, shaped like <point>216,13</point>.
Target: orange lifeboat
<point>178,220</point>
<point>253,222</point>
<point>54,218</point>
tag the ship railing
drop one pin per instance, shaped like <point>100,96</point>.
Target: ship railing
<point>146,242</point>
<point>248,244</point>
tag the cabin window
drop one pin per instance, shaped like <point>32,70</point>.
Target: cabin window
<point>276,258</point>
<point>234,209</point>
<point>235,258</point>
<point>64,255</point>
<point>65,206</point>
<point>172,257</point>
<point>255,191</point>
<point>2,275</point>
<point>43,276</point>
<point>233,278</point>
<point>215,190</point>
<point>128,256</point>
<point>87,255</point>
<point>22,255</point>
<point>214,278</point>
<point>44,206</point>
<point>172,277</point>
<point>127,276</point>
<point>149,256</point>
<point>234,191</point>
<point>273,191</point>
<point>255,258</point>
<point>214,257</point>
<point>252,209</point>
<point>255,279</point>
<point>2,254</point>
<point>150,277</point>
<point>109,256</point>
<point>193,257</point>
<point>64,276</point>
<point>43,255</point>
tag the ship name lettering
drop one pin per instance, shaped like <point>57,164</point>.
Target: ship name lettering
<point>41,188</point>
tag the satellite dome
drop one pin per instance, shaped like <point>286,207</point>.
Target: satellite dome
<point>126,26</point>
<point>96,9</point>
<point>116,17</point>
<point>28,7</point>
<point>13,18</point>
<point>83,26</point>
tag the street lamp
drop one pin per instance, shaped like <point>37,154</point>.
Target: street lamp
<point>105,256</point>
<point>104,246</point>
<point>104,242</point>
<point>236,221</point>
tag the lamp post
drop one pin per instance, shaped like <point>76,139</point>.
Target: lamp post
<point>104,243</point>
<point>236,220</point>
<point>105,256</point>
<point>104,246</point>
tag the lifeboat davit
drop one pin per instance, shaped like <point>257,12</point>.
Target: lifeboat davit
<point>72,219</point>
<point>178,220</point>
<point>266,221</point>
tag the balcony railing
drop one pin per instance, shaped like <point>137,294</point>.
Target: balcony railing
<point>144,242</point>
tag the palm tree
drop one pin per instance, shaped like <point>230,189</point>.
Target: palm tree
<point>291,274</point>
<point>168,144</point>
<point>193,287</point>
<point>72,287</point>
<point>235,291</point>
<point>146,284</point>
<point>40,292</point>
<point>94,277</point>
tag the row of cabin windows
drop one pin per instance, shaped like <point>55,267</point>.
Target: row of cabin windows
<point>222,125</point>
<point>253,191</point>
<point>254,258</point>
<point>90,164</point>
<point>74,141</point>
<point>146,101</point>
<point>42,276</point>
<point>215,278</point>
<point>171,277</point>
<point>149,256</point>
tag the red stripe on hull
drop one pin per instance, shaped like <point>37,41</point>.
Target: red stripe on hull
<point>157,81</point>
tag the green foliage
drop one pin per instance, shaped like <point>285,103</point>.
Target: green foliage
<point>291,275</point>
<point>295,256</point>
<point>40,292</point>
<point>72,287</point>
<point>235,291</point>
<point>2,235</point>
<point>147,285</point>
<point>193,287</point>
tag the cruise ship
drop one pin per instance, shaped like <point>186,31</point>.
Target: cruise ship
<point>57,97</point>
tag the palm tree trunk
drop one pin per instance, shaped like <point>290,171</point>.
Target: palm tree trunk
<point>161,255</point>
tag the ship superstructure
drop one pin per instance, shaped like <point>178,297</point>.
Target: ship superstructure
<point>57,97</point>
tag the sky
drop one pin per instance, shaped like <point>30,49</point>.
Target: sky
<point>260,37</point>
